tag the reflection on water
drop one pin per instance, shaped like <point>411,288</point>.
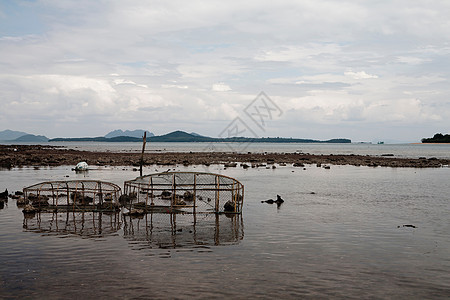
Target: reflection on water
<point>153,230</point>
<point>342,241</point>
<point>183,230</point>
<point>84,224</point>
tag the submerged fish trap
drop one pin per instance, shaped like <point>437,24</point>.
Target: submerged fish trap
<point>188,192</point>
<point>73,195</point>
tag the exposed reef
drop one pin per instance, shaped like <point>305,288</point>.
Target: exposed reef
<point>39,155</point>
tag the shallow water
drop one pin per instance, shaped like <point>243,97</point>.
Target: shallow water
<point>343,241</point>
<point>398,150</point>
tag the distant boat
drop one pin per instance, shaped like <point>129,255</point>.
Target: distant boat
<point>380,143</point>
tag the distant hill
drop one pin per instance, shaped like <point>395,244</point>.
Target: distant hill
<point>7,135</point>
<point>195,134</point>
<point>437,138</point>
<point>117,139</point>
<point>181,136</point>
<point>32,138</point>
<point>139,133</point>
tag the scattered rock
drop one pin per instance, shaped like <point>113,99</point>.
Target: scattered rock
<point>22,201</point>
<point>188,196</point>
<point>4,195</point>
<point>166,195</point>
<point>124,199</point>
<point>279,201</point>
<point>270,201</point>
<point>29,209</point>
<point>229,206</point>
<point>407,225</point>
<point>230,165</point>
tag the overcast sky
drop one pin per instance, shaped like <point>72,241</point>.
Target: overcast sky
<point>364,70</point>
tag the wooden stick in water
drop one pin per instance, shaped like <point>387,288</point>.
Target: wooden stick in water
<point>144,139</point>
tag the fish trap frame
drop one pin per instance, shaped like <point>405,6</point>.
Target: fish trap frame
<point>73,195</point>
<point>184,192</point>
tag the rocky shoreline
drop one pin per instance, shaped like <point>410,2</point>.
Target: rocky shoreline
<point>39,155</point>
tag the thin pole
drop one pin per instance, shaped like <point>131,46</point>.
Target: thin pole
<point>144,139</point>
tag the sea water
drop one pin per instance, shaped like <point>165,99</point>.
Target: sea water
<point>398,150</point>
<point>339,234</point>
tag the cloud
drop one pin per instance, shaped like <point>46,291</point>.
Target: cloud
<point>221,87</point>
<point>359,75</point>
<point>186,64</point>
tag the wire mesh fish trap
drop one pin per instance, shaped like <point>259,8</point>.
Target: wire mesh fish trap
<point>184,192</point>
<point>73,195</point>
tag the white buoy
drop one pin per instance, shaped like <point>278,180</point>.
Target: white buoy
<point>81,166</point>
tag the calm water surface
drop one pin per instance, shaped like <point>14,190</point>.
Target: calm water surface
<point>398,150</point>
<point>343,241</point>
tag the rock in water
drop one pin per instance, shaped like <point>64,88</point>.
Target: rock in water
<point>81,166</point>
<point>229,206</point>
<point>270,201</point>
<point>4,195</point>
<point>279,200</point>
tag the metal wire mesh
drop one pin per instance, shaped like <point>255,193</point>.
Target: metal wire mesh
<point>74,195</point>
<point>185,192</point>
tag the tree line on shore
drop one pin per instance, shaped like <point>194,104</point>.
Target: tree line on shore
<point>437,138</point>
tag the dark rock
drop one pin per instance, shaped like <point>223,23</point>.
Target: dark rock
<point>229,206</point>
<point>124,198</point>
<point>4,195</point>
<point>408,225</point>
<point>279,200</point>
<point>298,164</point>
<point>188,196</point>
<point>29,209</point>
<point>270,201</point>
<point>230,165</point>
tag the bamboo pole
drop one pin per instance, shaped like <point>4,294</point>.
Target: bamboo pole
<point>144,140</point>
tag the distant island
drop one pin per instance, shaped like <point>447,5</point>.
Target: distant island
<point>138,133</point>
<point>119,135</point>
<point>437,138</point>
<point>19,136</point>
<point>181,136</point>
